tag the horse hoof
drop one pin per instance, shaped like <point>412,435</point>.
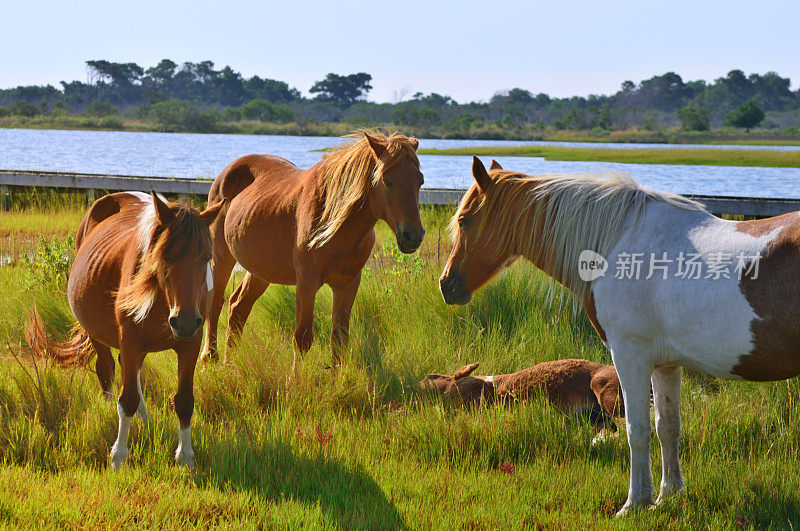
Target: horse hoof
<point>630,508</point>
<point>185,459</point>
<point>209,357</point>
<point>666,494</point>
<point>118,458</point>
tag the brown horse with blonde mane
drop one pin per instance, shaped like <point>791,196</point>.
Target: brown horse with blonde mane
<point>307,228</point>
<point>140,283</point>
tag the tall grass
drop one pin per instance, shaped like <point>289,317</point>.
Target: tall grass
<point>362,446</point>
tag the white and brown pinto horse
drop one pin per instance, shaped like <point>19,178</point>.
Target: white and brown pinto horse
<point>740,326</point>
<point>141,282</point>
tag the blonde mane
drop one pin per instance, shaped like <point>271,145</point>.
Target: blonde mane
<point>555,217</point>
<point>184,237</point>
<point>351,171</point>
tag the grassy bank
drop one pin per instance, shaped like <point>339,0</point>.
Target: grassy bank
<point>362,447</point>
<point>708,157</point>
<point>482,131</point>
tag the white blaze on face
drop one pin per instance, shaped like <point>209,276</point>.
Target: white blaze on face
<point>209,278</point>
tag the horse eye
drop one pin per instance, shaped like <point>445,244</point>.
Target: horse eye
<point>388,185</point>
<point>462,222</point>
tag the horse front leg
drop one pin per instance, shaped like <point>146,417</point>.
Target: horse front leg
<point>130,358</point>
<point>184,401</point>
<point>666,395</point>
<point>307,287</point>
<point>634,369</point>
<point>344,295</point>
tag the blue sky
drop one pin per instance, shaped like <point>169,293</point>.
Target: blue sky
<point>465,49</point>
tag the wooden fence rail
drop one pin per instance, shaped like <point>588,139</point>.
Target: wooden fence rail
<point>747,206</point>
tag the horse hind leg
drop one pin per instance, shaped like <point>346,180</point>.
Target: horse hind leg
<point>128,403</point>
<point>104,366</point>
<point>241,304</point>
<point>666,395</point>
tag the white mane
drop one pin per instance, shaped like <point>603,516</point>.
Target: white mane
<point>571,213</point>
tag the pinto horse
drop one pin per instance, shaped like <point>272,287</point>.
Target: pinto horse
<point>741,325</point>
<point>140,282</point>
<point>310,227</point>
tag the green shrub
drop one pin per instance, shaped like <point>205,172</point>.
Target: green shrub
<point>100,109</point>
<point>231,115</point>
<point>181,115</point>
<point>747,115</point>
<point>694,118</point>
<point>265,111</point>
<point>23,108</point>
<point>51,261</point>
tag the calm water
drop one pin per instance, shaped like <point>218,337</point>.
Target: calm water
<point>195,155</point>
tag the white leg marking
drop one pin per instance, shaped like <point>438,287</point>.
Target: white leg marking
<point>209,278</point>
<point>666,395</point>
<point>604,436</point>
<point>184,455</point>
<point>634,375</point>
<point>119,452</point>
<point>142,406</point>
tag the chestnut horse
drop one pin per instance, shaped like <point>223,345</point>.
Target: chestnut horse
<point>310,227</point>
<point>140,283</point>
<point>571,385</point>
<point>736,322</point>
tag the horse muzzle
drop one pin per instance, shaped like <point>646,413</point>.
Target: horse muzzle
<point>409,240</point>
<point>454,289</point>
<point>185,326</point>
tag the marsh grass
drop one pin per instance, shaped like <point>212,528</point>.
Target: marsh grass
<point>705,157</point>
<point>361,445</point>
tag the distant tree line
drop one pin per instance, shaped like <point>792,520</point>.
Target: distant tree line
<point>198,94</point>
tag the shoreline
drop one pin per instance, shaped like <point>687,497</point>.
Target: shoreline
<point>336,129</point>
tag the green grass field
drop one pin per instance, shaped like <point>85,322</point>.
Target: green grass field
<point>705,157</point>
<point>361,446</point>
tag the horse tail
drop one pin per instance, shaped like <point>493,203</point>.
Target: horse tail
<point>236,176</point>
<point>77,352</point>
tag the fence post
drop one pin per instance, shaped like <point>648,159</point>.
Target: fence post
<point>90,193</point>
<point>3,197</point>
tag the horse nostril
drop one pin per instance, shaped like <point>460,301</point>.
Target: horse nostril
<point>198,322</point>
<point>173,322</point>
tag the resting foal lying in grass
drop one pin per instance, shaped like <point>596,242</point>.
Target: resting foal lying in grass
<point>571,385</point>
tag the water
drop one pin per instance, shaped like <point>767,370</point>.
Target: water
<point>195,155</point>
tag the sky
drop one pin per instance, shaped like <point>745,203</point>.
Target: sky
<point>468,50</point>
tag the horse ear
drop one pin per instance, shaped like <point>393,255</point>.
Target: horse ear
<point>495,165</point>
<point>162,210</point>
<point>377,146</point>
<point>210,214</point>
<point>414,143</point>
<point>466,370</point>
<point>480,174</point>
